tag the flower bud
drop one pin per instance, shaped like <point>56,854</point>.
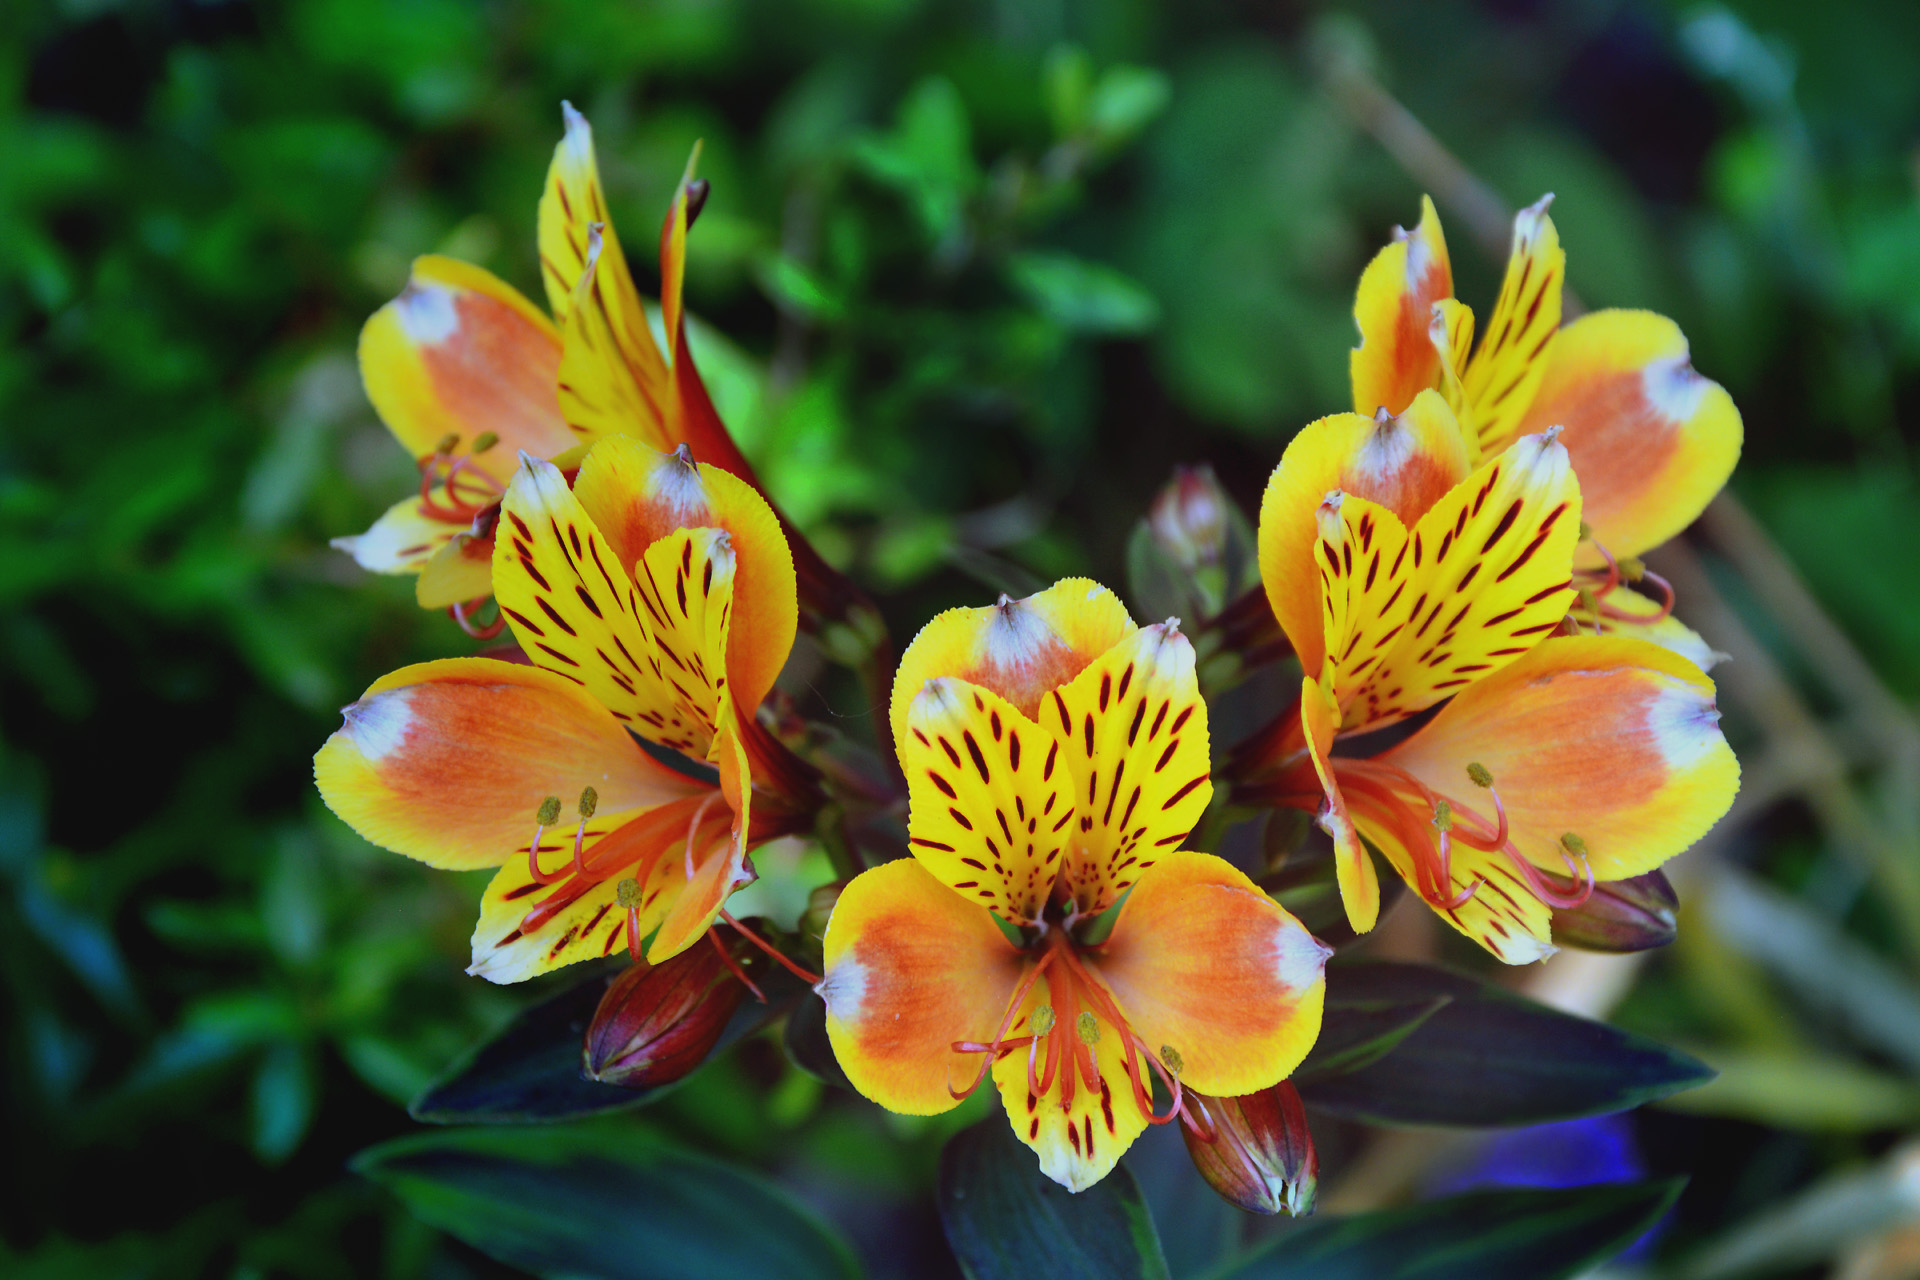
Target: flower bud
<point>1621,915</point>
<point>1195,551</point>
<point>656,1023</point>
<point>1261,1157</point>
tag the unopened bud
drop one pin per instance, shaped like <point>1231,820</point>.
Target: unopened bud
<point>1261,1157</point>
<point>485,441</point>
<point>820,903</point>
<point>1189,517</point>
<point>1621,915</point>
<point>1195,550</point>
<point>1479,774</point>
<point>1087,1028</point>
<point>549,811</point>
<point>655,1024</point>
<point>589,801</point>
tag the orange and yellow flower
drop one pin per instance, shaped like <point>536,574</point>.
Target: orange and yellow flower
<point>655,599</point>
<point>1409,575</point>
<point>1056,758</point>
<point>1651,439</point>
<point>468,374</point>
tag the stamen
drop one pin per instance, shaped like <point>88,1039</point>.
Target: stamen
<point>448,443</point>
<point>589,801</point>
<point>713,936</point>
<point>627,894</point>
<point>1087,1027</point>
<point>548,814</point>
<point>462,614</point>
<point>811,979</point>
<point>1006,1020</point>
<point>485,441</point>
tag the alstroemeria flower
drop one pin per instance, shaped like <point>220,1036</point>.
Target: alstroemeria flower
<point>468,374</point>
<point>655,599</point>
<point>1651,440</point>
<point>1056,759</point>
<point>1407,577</point>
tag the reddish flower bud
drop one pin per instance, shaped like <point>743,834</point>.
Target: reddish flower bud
<point>656,1023</point>
<point>1261,1155</point>
<point>1621,915</point>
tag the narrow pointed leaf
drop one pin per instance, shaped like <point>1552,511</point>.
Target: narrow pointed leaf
<point>1357,1030</point>
<point>607,1204</point>
<point>530,1072</point>
<point>1539,1234</point>
<point>1489,1057</point>
<point>1007,1221</point>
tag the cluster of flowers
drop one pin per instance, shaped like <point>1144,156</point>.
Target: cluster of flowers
<point>1451,564</point>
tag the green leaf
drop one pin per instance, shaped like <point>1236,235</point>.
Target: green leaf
<point>1358,1029</point>
<point>616,1204</point>
<point>1081,295</point>
<point>530,1072</point>
<point>1008,1221</point>
<point>1542,1235</point>
<point>807,1044</point>
<point>1488,1057</point>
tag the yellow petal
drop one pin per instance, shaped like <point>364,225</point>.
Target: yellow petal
<point>1201,960</point>
<point>462,353</point>
<point>1395,361</point>
<point>460,571</point>
<point>636,495</point>
<point>1668,632</point>
<point>1078,1133</point>
<point>1501,379</point>
<point>1404,463</point>
<point>1353,865</point>
<point>911,967</point>
<point>1615,740</point>
<point>1651,440</point>
<point>1020,649</point>
<point>990,805</point>
<point>403,540</point>
<point>612,378</point>
<point>1133,732</point>
<point>1367,590</point>
<point>449,761</point>
<point>1490,570</point>
<point>685,587</point>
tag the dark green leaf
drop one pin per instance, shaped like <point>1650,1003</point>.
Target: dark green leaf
<point>1006,1219</point>
<point>1489,1057</point>
<point>617,1205</point>
<point>1541,1235</point>
<point>1359,1029</point>
<point>530,1072</point>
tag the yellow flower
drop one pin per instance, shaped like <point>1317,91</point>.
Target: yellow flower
<point>1405,577</point>
<point>468,374</point>
<point>655,599</point>
<point>1651,439</point>
<point>1056,758</point>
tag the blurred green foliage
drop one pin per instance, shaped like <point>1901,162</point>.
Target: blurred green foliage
<point>985,270</point>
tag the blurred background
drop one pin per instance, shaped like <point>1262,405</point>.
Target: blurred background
<point>986,270</point>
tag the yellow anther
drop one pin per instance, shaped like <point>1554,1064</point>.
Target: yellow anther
<point>627,893</point>
<point>549,811</point>
<point>1633,568</point>
<point>1086,1028</point>
<point>1574,845</point>
<point>1170,1059</point>
<point>485,441</point>
<point>1480,775</point>
<point>448,443</point>
<point>589,801</point>
<point>1586,531</point>
<point>1443,814</point>
<point>1043,1020</point>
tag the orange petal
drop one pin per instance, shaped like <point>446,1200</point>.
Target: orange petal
<point>1651,440</point>
<point>449,761</point>
<point>1404,463</point>
<point>911,967</point>
<point>1395,361</point>
<point>404,540</point>
<point>989,799</point>
<point>461,570</point>
<point>461,353</point>
<point>1201,960</point>
<point>1133,732</point>
<point>1490,569</point>
<point>1020,649</point>
<point>1079,1131</point>
<point>1615,740</point>
<point>1353,866</point>
<point>1504,373</point>
<point>637,495</point>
